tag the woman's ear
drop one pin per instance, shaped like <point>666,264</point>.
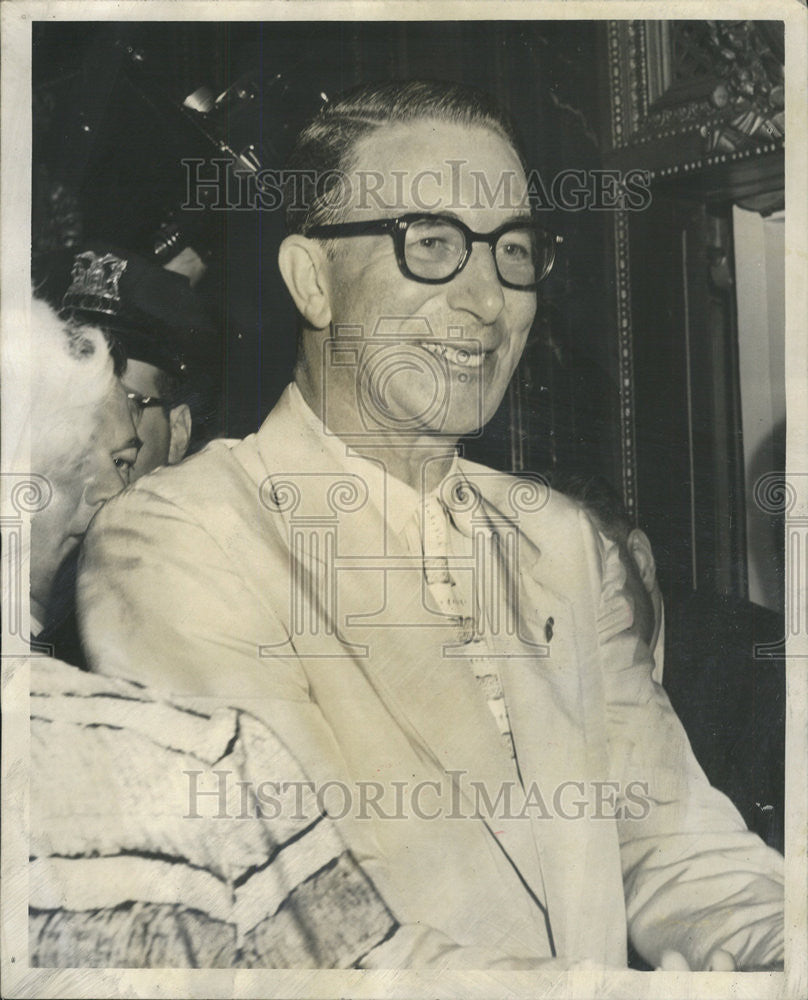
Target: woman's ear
<point>302,264</point>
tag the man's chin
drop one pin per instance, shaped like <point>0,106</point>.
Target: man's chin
<point>453,430</point>
<point>470,423</point>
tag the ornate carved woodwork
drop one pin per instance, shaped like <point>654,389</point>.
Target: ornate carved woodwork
<point>699,106</point>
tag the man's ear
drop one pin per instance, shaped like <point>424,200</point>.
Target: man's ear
<point>179,422</point>
<point>302,263</point>
<point>639,548</point>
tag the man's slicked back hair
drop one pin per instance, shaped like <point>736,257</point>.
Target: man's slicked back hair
<point>327,145</point>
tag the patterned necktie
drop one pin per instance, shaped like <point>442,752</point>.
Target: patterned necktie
<point>451,602</point>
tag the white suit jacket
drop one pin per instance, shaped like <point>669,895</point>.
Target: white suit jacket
<point>258,574</point>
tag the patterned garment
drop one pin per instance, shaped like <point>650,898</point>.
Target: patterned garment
<point>451,600</point>
<point>150,849</point>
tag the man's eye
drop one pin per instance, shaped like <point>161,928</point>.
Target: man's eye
<point>433,244</point>
<point>433,239</point>
<point>515,250</point>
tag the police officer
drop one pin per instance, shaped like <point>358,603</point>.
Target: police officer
<point>168,341</point>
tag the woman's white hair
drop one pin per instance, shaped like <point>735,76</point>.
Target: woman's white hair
<point>70,372</point>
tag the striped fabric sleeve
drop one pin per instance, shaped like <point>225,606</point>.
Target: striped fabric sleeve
<point>165,836</point>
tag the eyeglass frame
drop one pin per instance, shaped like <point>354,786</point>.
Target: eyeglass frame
<point>397,228</point>
<point>143,403</point>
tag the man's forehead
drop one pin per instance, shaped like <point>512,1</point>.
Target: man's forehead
<point>139,373</point>
<point>432,165</point>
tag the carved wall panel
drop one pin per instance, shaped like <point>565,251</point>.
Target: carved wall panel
<point>698,105</point>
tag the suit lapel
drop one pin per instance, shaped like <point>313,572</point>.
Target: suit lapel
<point>437,700</point>
<point>556,727</point>
<point>339,545</point>
<point>555,710</point>
<point>378,587</point>
<point>541,683</point>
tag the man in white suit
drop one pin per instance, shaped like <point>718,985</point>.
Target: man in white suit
<point>448,651</point>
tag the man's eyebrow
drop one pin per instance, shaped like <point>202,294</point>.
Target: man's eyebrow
<point>524,216</point>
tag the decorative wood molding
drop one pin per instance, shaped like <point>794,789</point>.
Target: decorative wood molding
<point>701,103</point>
<point>686,95</point>
<point>625,348</point>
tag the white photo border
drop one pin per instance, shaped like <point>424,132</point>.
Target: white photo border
<point>15,184</point>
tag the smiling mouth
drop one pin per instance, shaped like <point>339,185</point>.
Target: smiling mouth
<point>460,356</point>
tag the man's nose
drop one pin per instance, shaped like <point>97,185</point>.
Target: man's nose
<point>477,289</point>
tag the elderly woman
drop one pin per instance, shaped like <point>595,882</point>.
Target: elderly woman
<point>83,442</point>
<point>148,844</point>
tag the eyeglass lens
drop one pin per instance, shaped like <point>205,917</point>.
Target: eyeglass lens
<point>433,248</point>
<point>139,404</point>
<point>136,408</point>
